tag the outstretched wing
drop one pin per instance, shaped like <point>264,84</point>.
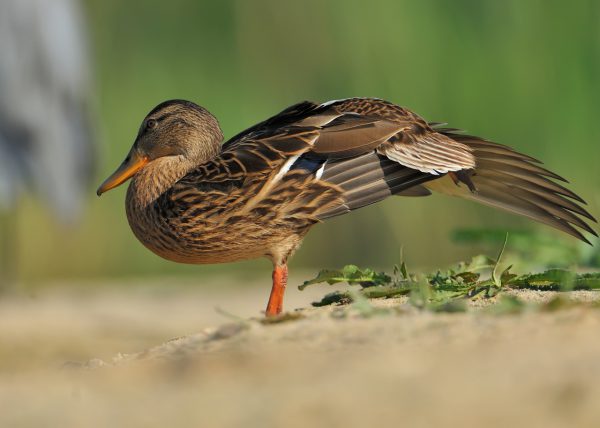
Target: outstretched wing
<point>333,132</point>
<point>359,151</point>
<point>517,183</point>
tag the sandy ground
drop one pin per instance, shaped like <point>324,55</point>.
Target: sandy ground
<point>105,359</point>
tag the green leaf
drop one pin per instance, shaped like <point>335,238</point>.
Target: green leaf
<point>496,275</point>
<point>403,270</point>
<point>554,279</point>
<point>350,274</point>
<point>385,291</point>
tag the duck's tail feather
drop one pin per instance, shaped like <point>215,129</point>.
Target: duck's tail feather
<point>514,182</point>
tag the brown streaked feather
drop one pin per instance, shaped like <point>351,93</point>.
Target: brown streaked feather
<point>379,108</point>
<point>428,152</point>
<point>521,165</point>
<point>512,181</point>
<point>352,127</point>
<point>493,148</point>
<point>415,144</point>
<point>259,157</point>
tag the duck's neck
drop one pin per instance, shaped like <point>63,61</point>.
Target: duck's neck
<point>155,178</point>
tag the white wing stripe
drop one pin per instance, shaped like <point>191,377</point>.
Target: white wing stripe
<point>319,173</point>
<point>285,168</point>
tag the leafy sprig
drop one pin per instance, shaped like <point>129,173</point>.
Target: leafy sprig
<point>481,277</point>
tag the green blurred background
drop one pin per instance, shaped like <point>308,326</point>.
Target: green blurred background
<point>523,73</point>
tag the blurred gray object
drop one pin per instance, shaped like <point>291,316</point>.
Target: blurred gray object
<point>46,140</point>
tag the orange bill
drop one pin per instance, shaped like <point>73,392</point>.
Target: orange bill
<point>132,164</point>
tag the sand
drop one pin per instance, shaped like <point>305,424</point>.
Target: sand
<point>139,356</point>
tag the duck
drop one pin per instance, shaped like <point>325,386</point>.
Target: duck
<point>193,198</point>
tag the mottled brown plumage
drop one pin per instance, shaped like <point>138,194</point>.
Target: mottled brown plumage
<point>193,200</point>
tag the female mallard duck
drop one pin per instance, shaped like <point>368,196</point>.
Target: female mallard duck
<point>193,200</point>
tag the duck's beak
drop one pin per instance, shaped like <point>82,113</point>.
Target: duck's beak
<point>132,164</point>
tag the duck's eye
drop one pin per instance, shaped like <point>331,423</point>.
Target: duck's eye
<point>151,124</point>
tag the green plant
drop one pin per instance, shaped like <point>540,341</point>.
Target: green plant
<point>480,278</point>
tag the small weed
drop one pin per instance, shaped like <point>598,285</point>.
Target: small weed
<point>448,290</point>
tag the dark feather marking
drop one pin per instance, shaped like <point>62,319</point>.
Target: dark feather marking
<point>510,180</point>
<point>499,195</point>
<point>369,179</point>
<point>286,117</point>
<point>546,191</point>
<point>308,164</point>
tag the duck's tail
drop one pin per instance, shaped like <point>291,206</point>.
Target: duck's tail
<point>514,182</point>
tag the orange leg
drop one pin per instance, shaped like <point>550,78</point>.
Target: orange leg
<point>275,305</point>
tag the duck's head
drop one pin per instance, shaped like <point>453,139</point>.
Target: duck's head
<point>173,128</point>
